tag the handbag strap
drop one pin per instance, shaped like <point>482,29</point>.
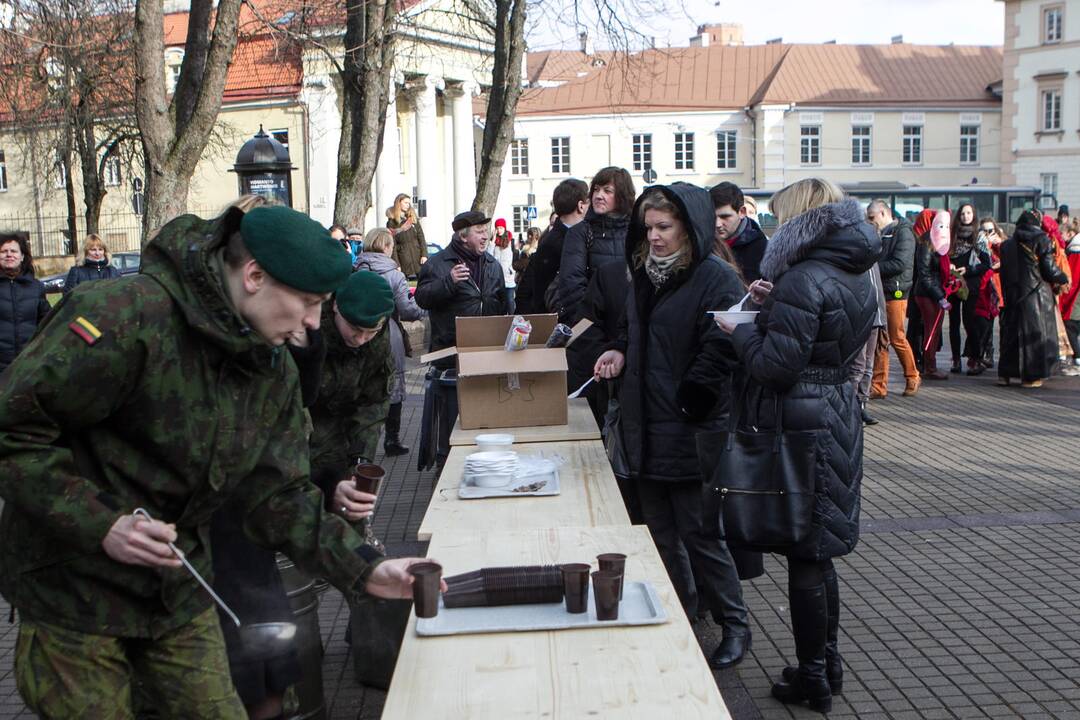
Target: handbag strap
<point>733,417</point>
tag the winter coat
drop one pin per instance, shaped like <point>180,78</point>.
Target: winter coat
<point>748,249</point>
<point>814,322</point>
<point>1029,341</point>
<point>928,280</point>
<point>505,258</point>
<point>589,245</point>
<point>676,379</point>
<point>190,407</point>
<point>897,259</point>
<point>409,245</point>
<point>446,300</point>
<point>405,308</point>
<point>22,307</point>
<point>1067,300</point>
<point>89,270</point>
<point>543,269</point>
<point>605,306</point>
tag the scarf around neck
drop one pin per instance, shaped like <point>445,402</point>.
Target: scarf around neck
<point>659,269</point>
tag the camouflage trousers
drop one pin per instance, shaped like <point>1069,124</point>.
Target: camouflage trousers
<point>185,674</point>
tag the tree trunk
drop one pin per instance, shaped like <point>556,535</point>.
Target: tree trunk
<point>365,77</point>
<point>92,186</point>
<point>69,195</point>
<point>502,101</point>
<point>174,135</point>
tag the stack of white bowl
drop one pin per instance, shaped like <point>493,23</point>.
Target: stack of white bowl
<point>491,468</point>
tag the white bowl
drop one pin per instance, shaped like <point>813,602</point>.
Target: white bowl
<point>494,442</point>
<point>737,317</point>
<point>489,481</point>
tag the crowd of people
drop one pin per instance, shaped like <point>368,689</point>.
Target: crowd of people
<point>227,370</point>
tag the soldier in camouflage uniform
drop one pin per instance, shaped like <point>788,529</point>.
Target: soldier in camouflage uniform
<point>194,401</point>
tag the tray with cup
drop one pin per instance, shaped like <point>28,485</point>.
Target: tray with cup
<point>507,474</point>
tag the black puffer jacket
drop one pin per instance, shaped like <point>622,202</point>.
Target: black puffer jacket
<point>897,259</point>
<point>589,245</point>
<point>814,323</point>
<point>89,270</point>
<point>542,270</point>
<point>446,300</point>
<point>928,280</point>
<point>22,307</point>
<point>676,381</point>
<point>748,250</point>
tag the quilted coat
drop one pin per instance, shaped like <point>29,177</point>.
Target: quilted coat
<point>817,318</point>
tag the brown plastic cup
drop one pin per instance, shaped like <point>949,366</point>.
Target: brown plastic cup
<point>426,577</point>
<point>605,586</point>
<point>613,562</point>
<point>367,477</point>
<point>576,587</point>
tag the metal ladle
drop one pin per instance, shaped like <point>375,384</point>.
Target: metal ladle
<point>257,639</point>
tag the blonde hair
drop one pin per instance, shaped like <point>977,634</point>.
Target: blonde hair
<point>395,213</point>
<point>657,200</point>
<point>797,198</point>
<point>378,240</point>
<point>94,240</point>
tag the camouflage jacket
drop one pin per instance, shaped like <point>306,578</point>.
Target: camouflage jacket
<point>353,401</point>
<point>167,401</point>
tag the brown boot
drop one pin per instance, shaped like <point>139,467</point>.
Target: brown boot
<point>912,386</point>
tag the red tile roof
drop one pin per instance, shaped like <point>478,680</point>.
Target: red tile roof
<point>732,77</point>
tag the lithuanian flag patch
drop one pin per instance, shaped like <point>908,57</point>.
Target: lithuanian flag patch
<point>85,330</point>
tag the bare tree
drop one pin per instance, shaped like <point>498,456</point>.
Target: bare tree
<point>175,133</point>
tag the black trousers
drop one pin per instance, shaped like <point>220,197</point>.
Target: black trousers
<point>962,313</point>
<point>1072,330</point>
<point>673,514</point>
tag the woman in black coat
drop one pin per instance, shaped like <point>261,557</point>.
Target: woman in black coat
<point>95,265</point>
<point>23,305</point>
<point>676,384</point>
<point>813,323</point>
<point>1029,344</point>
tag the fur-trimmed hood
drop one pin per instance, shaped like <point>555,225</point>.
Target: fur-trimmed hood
<point>836,233</point>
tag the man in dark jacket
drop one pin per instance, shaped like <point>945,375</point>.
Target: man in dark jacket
<point>195,403</point>
<point>570,201</point>
<point>897,264</point>
<point>459,281</point>
<point>741,234</point>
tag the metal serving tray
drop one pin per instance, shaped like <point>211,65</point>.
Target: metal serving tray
<point>639,606</point>
<point>468,491</point>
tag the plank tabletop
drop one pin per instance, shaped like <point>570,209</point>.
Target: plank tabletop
<point>581,425</point>
<point>588,495</point>
<point>654,671</point>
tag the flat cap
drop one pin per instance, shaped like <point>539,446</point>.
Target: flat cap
<point>468,219</point>
<point>294,249</point>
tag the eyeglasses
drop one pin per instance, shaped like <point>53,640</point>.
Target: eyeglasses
<point>989,231</point>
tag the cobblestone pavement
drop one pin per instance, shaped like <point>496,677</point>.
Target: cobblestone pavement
<point>960,601</point>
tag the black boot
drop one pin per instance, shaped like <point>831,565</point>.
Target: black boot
<point>834,666</point>
<point>391,446</point>
<point>867,418</point>
<point>809,624</point>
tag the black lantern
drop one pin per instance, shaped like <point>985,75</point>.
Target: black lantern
<point>263,168</point>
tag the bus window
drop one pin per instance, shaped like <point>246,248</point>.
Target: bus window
<point>1017,205</point>
<point>984,204</point>
<point>907,208</point>
<point>936,202</point>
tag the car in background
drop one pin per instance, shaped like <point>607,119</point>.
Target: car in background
<point>126,262</point>
<point>432,248</point>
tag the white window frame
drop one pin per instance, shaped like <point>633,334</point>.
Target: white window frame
<point>274,134</point>
<point>641,146</point>
<point>560,155</point>
<point>111,171</point>
<point>684,151</point>
<point>1053,24</point>
<point>1050,109</point>
<point>59,172</point>
<point>3,172</point>
<point>1049,183</point>
<point>726,149</point>
<point>519,156</point>
<point>520,219</point>
<point>809,145</point>
<point>969,144</point>
<point>862,145</point>
<point>911,144</point>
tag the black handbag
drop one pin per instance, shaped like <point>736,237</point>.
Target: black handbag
<point>761,490</point>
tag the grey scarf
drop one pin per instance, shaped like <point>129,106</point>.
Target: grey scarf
<point>659,269</point>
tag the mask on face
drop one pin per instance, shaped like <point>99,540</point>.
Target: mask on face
<point>939,232</point>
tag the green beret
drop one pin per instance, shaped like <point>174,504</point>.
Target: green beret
<point>365,299</point>
<point>294,249</point>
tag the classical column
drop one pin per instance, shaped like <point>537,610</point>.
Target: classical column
<point>461,98</point>
<point>388,180</point>
<point>430,185</point>
<point>320,96</point>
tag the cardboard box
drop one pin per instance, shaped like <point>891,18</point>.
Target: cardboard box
<point>498,388</point>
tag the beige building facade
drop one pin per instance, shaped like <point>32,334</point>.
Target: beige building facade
<point>1040,141</point>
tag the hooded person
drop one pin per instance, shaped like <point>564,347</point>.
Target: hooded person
<point>798,356</point>
<point>1029,344</point>
<point>675,384</point>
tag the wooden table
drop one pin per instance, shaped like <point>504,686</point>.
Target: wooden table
<point>588,495</point>
<point>580,426</point>
<point>655,671</point>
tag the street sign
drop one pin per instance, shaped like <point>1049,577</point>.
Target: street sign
<point>530,212</point>
<point>137,203</point>
<point>649,175</point>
